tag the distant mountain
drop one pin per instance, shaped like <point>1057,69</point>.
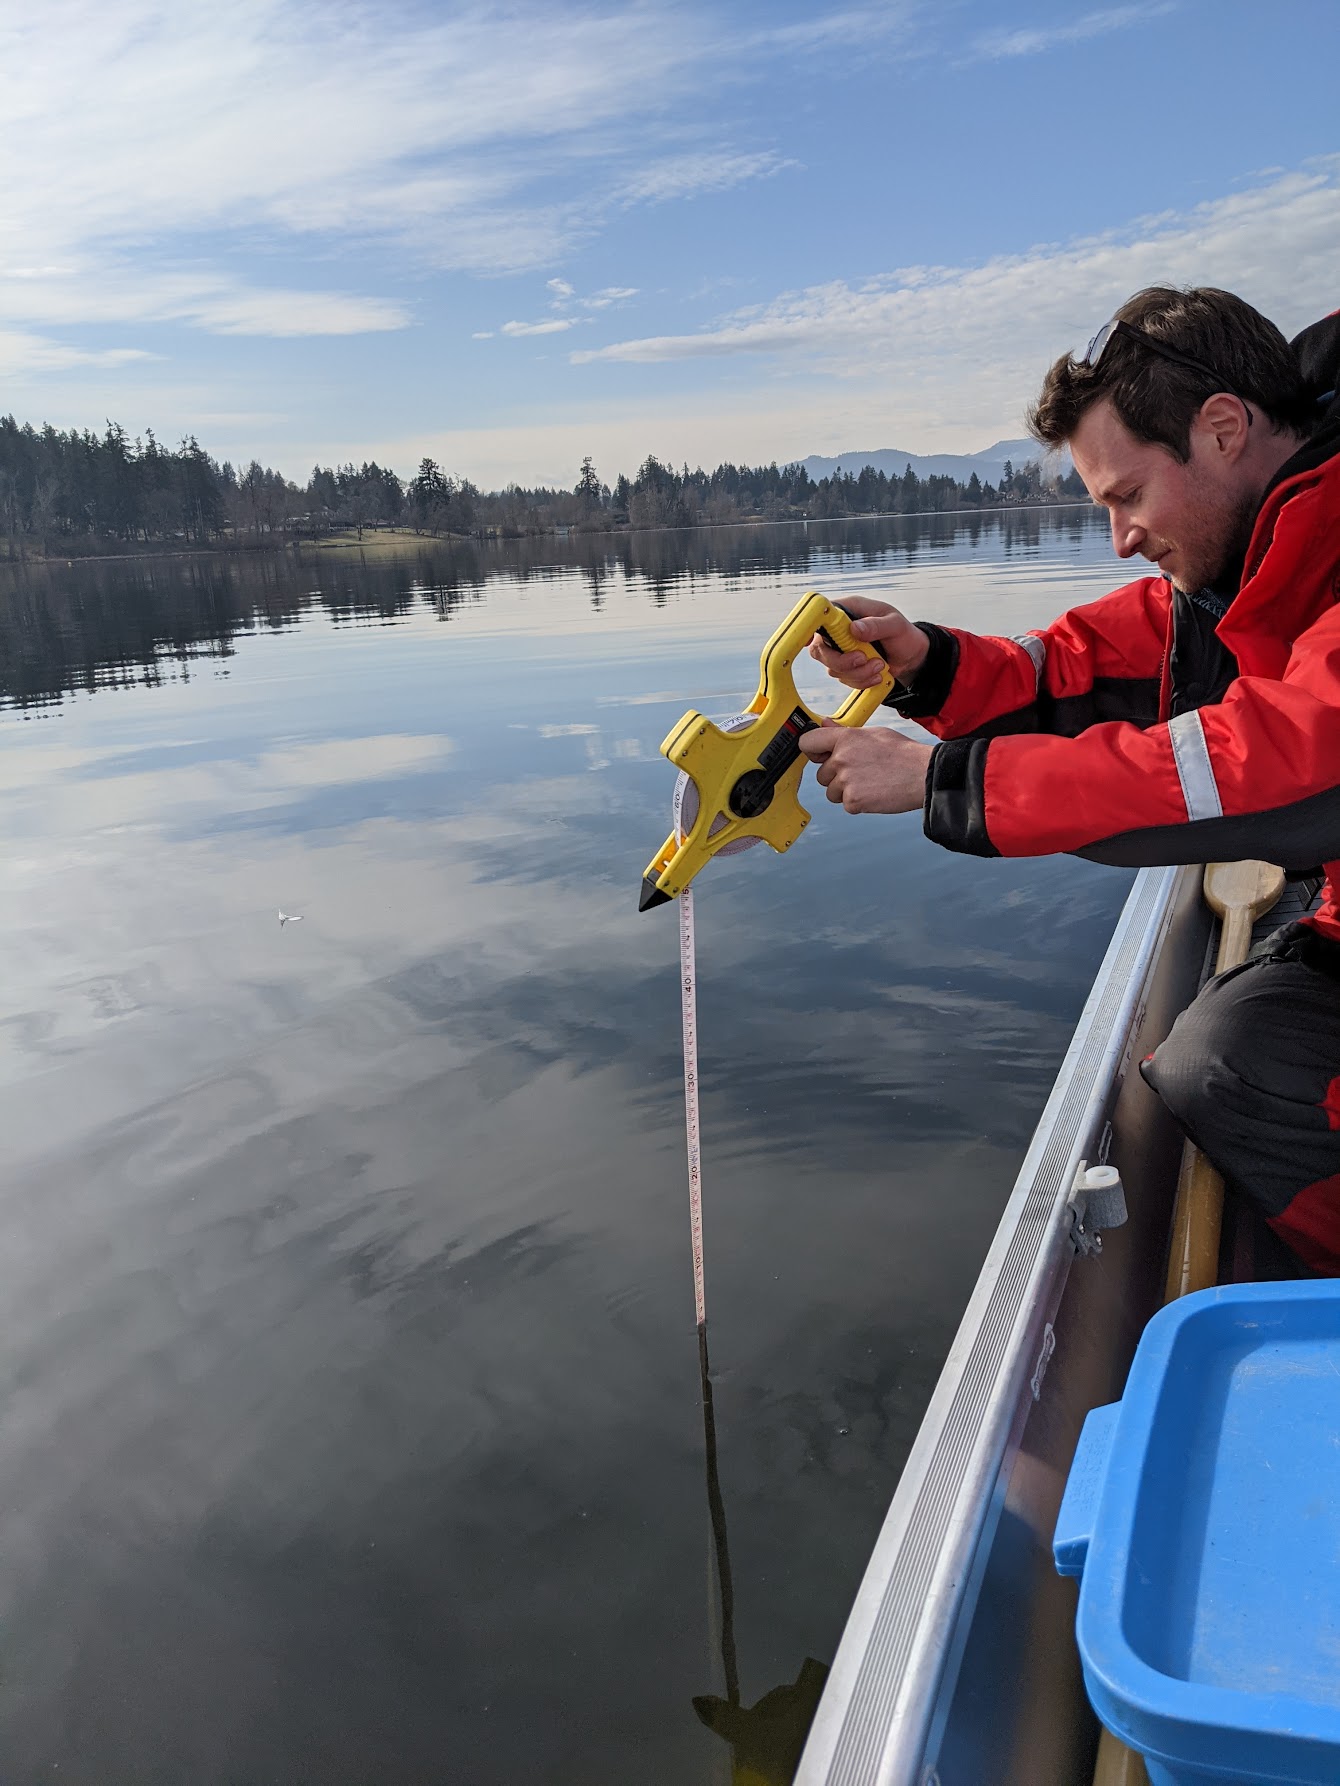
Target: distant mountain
<point>989,464</point>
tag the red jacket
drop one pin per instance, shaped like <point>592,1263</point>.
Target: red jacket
<point>1136,730</point>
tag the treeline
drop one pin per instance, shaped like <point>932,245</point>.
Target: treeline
<point>662,497</point>
<point>67,491</point>
<point>76,491</point>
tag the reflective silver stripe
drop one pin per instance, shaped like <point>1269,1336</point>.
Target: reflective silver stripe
<point>1037,650</point>
<point>1194,769</point>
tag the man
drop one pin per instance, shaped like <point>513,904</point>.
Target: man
<point>1192,716</point>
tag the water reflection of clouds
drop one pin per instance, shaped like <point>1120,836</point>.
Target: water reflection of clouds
<point>38,764</point>
<point>200,911</point>
<point>332,762</point>
<point>92,790</point>
<point>677,698</point>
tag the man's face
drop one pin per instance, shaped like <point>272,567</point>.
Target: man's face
<point>1191,521</point>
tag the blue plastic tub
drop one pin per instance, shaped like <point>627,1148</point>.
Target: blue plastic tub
<point>1203,1515</point>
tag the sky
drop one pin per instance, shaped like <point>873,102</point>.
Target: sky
<point>508,236</point>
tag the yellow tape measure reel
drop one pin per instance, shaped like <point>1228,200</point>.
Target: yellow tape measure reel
<point>743,779</point>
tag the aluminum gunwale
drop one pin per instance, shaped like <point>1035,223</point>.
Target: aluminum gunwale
<point>872,1724</point>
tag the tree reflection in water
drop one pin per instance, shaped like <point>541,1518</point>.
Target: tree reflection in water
<point>117,622</point>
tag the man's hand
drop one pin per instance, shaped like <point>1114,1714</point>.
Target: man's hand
<point>876,770</point>
<point>904,645</point>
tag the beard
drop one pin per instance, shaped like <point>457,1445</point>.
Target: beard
<point>1216,535</point>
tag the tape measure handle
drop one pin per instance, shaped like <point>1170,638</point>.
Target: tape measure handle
<point>862,702</point>
<point>837,631</point>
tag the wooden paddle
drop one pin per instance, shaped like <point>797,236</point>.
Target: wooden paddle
<point>1118,1765</point>
<point>1238,893</point>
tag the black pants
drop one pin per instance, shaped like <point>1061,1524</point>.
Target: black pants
<point>1251,1070</point>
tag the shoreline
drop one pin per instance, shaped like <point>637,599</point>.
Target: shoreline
<point>398,539</point>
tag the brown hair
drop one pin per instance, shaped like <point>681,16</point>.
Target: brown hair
<point>1158,399</point>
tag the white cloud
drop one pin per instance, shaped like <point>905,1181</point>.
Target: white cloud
<point>21,352</point>
<point>565,299</point>
<point>613,294</point>
<point>282,313</point>
<point>284,110</point>
<point>863,27</point>
<point>127,293</point>
<point>993,45</point>
<point>159,142</point>
<point>972,341</point>
<point>685,176</point>
<point>554,326</point>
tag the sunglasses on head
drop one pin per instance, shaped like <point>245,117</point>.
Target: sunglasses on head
<point>1094,352</point>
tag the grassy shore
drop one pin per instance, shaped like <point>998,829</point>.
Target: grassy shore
<point>379,539</point>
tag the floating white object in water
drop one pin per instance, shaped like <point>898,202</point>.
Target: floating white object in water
<point>289,918</point>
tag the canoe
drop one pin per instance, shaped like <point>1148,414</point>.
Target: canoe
<point>958,1664</point>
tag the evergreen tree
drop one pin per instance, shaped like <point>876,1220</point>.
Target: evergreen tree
<point>588,488</point>
<point>202,499</point>
<point>427,492</point>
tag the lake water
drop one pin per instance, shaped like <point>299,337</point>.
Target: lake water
<point>352,1428</point>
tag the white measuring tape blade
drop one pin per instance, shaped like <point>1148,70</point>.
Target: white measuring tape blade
<point>687,980</point>
<point>685,811</point>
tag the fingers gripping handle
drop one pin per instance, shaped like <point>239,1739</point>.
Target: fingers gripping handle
<point>836,627</point>
<point>861,702</point>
